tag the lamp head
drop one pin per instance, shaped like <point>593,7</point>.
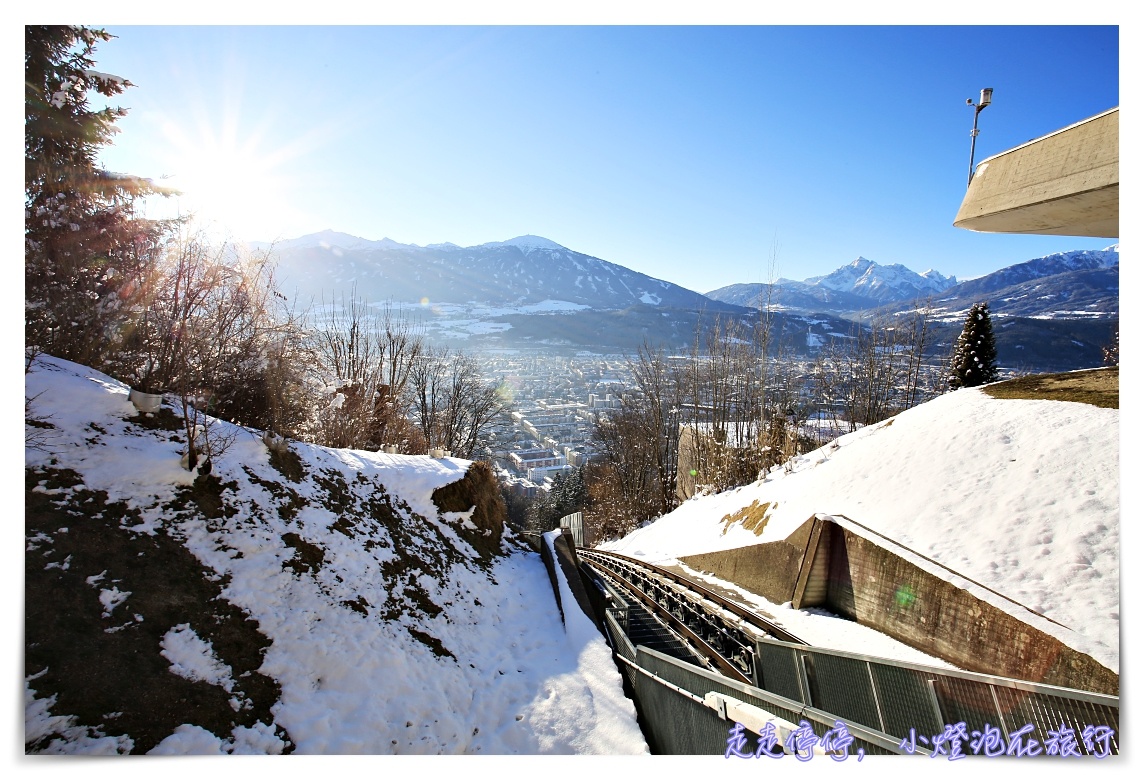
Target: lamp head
<point>986,97</point>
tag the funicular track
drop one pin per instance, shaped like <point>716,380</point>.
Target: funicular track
<point>718,630</point>
<point>757,663</point>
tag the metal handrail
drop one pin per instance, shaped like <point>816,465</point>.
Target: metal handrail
<point>937,671</point>
<point>882,740</point>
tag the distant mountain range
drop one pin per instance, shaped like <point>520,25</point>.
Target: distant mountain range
<point>527,292</point>
<point>857,286</point>
<point>1067,285</point>
<point>1083,284</point>
<point>523,271</point>
<point>531,292</point>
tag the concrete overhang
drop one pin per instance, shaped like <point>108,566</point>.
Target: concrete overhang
<point>1066,183</point>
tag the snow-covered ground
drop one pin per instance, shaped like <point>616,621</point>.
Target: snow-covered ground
<point>1022,496</point>
<point>353,681</point>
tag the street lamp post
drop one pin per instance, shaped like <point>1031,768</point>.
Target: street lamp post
<point>986,99</point>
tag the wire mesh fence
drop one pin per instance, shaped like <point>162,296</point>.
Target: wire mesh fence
<point>912,701</point>
<point>675,703</point>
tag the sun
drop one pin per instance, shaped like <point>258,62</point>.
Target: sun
<point>231,189</point>
<point>235,183</point>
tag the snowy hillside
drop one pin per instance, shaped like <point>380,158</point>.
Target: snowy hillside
<point>1021,496</point>
<point>1082,284</point>
<point>332,602</point>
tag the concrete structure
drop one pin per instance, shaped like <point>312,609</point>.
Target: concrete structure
<point>539,474</point>
<point>834,563</point>
<point>562,553</point>
<point>535,459</point>
<point>1066,183</point>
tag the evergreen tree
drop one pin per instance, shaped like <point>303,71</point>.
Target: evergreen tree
<point>568,495</point>
<point>82,246</point>
<point>1112,351</point>
<point>974,360</point>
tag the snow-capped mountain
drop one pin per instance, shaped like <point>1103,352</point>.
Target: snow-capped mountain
<point>532,292</point>
<point>525,243</point>
<point>524,292</point>
<point>856,286</point>
<point>788,295</point>
<point>522,271</point>
<point>1041,268</point>
<point>883,283</point>
<point>1057,312</point>
<point>1082,284</point>
<point>332,240</point>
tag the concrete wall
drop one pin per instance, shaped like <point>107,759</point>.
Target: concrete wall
<point>824,564</point>
<point>770,569</point>
<point>686,462</point>
<point>878,588</point>
<point>1066,183</point>
<point>565,558</point>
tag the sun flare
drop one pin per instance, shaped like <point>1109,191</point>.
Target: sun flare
<point>234,184</point>
<point>230,189</point>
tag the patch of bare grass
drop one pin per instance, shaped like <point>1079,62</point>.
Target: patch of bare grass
<point>104,669</point>
<point>1099,387</point>
<point>753,517</point>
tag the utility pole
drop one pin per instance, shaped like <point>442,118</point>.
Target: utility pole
<point>986,99</point>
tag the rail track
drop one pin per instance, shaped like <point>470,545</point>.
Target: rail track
<point>719,630</point>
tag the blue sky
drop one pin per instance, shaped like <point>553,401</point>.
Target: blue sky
<point>693,154</point>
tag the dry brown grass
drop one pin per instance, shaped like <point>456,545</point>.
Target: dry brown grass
<point>753,517</point>
<point>1099,387</point>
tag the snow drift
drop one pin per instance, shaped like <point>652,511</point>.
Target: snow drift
<point>1022,496</point>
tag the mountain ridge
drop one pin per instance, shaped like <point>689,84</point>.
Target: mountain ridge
<point>864,286</point>
<point>529,292</point>
<point>524,270</point>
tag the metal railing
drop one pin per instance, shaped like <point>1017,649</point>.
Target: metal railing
<point>897,696</point>
<point>685,708</point>
<point>895,700</point>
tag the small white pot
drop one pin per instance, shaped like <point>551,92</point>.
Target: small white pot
<point>148,403</point>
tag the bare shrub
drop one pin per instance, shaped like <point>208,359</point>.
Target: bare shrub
<point>877,371</point>
<point>454,407</point>
<point>210,327</point>
<point>363,362</point>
